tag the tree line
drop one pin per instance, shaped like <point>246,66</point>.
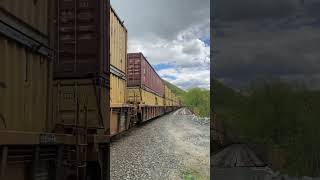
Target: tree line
<point>282,115</point>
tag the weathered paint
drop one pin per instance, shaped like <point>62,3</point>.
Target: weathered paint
<point>23,88</point>
<point>139,95</point>
<point>118,59</point>
<point>141,73</point>
<point>91,96</point>
<point>167,96</point>
<point>118,89</point>
<point>33,13</point>
<point>174,99</point>
<point>118,42</point>
<point>81,38</point>
<point>119,120</point>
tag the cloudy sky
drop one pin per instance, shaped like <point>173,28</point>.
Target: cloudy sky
<point>266,38</point>
<point>174,35</point>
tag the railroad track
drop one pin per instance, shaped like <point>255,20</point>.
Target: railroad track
<point>236,155</point>
<point>239,162</point>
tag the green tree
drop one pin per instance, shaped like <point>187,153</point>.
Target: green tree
<point>199,100</point>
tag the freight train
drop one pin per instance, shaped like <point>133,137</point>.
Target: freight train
<point>67,86</point>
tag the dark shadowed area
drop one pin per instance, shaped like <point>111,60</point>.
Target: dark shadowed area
<point>267,38</point>
<point>266,88</point>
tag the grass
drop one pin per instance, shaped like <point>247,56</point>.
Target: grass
<point>199,100</point>
<point>196,98</point>
<point>191,174</point>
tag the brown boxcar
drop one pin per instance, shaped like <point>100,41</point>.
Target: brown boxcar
<point>33,144</point>
<point>24,87</point>
<point>81,102</point>
<point>25,65</point>
<point>142,74</point>
<point>81,38</point>
<point>29,16</point>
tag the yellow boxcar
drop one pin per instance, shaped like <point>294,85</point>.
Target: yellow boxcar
<point>173,96</point>
<point>119,109</point>
<point>167,96</point>
<point>24,88</point>
<point>118,88</point>
<point>141,96</point>
<point>118,60</point>
<point>29,16</point>
<point>118,42</point>
<point>149,105</point>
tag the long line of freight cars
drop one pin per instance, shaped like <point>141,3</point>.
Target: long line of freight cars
<point>67,85</point>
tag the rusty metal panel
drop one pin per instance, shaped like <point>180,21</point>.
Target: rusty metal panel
<point>82,102</point>
<point>118,89</point>
<point>118,42</point>
<point>33,13</point>
<point>141,96</point>
<point>114,120</point>
<point>141,73</point>
<point>133,95</point>
<point>81,38</point>
<point>118,120</point>
<point>23,88</point>
<point>134,70</point>
<point>148,112</point>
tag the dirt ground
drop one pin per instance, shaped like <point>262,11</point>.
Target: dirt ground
<point>192,141</point>
<point>175,146</point>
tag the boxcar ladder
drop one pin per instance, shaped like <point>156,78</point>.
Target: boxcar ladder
<point>77,157</point>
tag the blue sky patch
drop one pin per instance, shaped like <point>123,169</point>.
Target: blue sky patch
<point>206,40</point>
<point>159,67</point>
<point>169,77</point>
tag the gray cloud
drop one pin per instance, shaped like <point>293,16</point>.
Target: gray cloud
<point>192,48</point>
<point>275,38</point>
<point>233,10</point>
<point>162,18</point>
<point>169,32</point>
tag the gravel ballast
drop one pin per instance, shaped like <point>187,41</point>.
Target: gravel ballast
<point>164,148</point>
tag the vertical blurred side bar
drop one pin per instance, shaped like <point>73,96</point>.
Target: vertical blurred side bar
<point>107,71</point>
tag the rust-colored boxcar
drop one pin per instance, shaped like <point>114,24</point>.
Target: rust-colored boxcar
<point>142,74</point>
<point>81,38</point>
